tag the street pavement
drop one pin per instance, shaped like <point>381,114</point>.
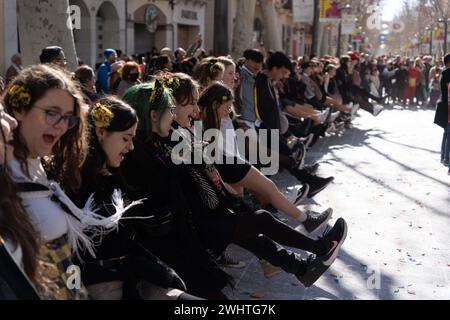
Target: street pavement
<point>395,196</point>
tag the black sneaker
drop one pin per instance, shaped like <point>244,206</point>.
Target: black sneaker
<point>334,240</point>
<point>299,154</point>
<point>271,208</point>
<point>301,194</point>
<point>312,169</point>
<point>317,184</point>
<point>316,221</point>
<point>446,163</point>
<point>314,270</point>
<point>308,140</point>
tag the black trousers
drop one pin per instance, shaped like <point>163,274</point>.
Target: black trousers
<point>263,235</point>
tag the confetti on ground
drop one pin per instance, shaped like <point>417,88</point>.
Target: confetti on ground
<point>258,294</point>
<point>412,292</point>
<point>399,250</point>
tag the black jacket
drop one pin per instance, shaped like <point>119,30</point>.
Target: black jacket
<point>441,117</point>
<point>151,173</point>
<point>267,103</point>
<point>138,263</point>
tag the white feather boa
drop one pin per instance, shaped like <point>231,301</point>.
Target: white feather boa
<point>86,225</point>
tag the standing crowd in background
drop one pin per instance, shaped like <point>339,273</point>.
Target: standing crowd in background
<point>88,179</point>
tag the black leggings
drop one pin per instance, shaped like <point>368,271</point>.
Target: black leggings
<point>262,222</point>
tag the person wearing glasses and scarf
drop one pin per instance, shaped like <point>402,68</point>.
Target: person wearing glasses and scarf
<point>51,134</point>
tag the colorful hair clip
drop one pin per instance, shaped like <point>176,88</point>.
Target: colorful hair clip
<point>19,97</point>
<point>101,115</point>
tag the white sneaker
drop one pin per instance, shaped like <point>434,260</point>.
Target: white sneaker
<point>377,109</point>
<point>349,106</point>
<point>334,116</point>
<point>354,111</point>
<point>323,116</point>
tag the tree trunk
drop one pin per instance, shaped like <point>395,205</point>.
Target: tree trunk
<point>44,23</point>
<point>243,27</point>
<point>272,31</point>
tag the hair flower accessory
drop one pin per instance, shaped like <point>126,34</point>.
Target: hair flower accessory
<point>171,83</point>
<point>101,115</point>
<point>226,98</point>
<point>19,97</point>
<point>157,91</point>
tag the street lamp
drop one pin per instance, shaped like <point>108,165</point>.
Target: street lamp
<point>445,22</point>
<point>430,29</point>
<point>172,4</point>
<point>345,9</point>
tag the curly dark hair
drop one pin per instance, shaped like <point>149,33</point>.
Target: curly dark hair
<point>70,152</point>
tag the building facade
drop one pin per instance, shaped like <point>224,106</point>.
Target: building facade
<point>133,26</point>
<point>140,26</point>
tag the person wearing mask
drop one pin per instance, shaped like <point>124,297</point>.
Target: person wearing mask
<point>131,75</point>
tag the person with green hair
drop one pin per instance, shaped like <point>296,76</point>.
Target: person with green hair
<point>155,102</point>
<point>150,172</point>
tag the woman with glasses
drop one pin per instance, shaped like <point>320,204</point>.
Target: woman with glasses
<point>51,134</point>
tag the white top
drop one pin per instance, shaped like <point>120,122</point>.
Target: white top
<point>47,216</point>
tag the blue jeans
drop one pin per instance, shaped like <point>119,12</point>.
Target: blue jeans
<point>445,149</point>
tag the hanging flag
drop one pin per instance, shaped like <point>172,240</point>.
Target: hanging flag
<point>303,11</point>
<point>329,11</point>
<point>348,23</point>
